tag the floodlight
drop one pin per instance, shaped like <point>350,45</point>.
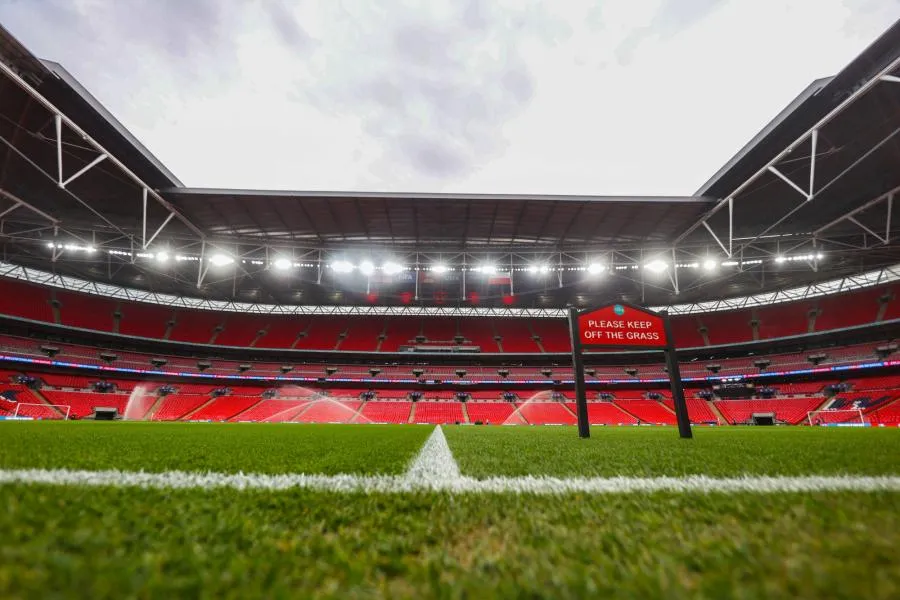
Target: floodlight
<point>342,266</point>
<point>439,268</point>
<point>596,268</point>
<point>162,257</point>
<point>89,249</point>
<point>391,268</point>
<point>656,266</point>
<point>710,264</point>
<point>366,268</point>
<point>820,256</point>
<point>220,260</point>
<point>488,269</point>
<point>282,264</point>
<point>780,259</point>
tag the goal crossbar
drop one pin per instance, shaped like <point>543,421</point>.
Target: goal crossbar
<point>847,417</point>
<point>53,411</point>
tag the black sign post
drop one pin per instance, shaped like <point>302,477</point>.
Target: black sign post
<point>681,413</point>
<point>584,428</point>
<point>649,332</point>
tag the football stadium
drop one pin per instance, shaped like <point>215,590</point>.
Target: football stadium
<point>252,393</point>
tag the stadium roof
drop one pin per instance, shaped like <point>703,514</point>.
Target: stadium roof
<point>446,220</point>
<point>804,112</point>
<point>818,181</point>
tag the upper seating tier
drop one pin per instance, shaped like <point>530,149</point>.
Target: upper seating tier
<point>388,334</point>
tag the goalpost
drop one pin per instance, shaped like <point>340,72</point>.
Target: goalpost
<point>59,412</point>
<point>852,417</point>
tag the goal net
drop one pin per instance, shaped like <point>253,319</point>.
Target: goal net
<point>59,412</point>
<point>847,418</point>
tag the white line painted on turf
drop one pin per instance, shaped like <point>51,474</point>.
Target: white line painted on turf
<point>435,470</point>
<point>435,462</point>
<point>696,484</point>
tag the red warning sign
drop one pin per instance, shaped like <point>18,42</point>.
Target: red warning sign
<point>622,325</point>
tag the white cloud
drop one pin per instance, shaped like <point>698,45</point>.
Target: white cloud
<point>619,97</point>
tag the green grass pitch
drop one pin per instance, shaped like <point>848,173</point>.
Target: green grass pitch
<point>100,542</point>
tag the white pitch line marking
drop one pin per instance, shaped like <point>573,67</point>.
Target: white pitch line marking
<point>435,462</point>
<point>435,470</point>
<point>392,484</point>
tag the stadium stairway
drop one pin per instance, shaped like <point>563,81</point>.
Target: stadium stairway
<point>260,335</point>
<point>496,336</point>
<point>286,415</point>
<point>824,403</point>
<point>883,306</point>
<point>715,410</point>
<point>342,335</point>
<point>187,416</point>
<point>299,414</point>
<point>894,402</point>
<point>703,330</point>
<point>626,411</point>
<point>359,409</point>
<point>55,308</point>
<point>39,396</point>
<point>465,412</point>
<point>237,417</point>
<point>412,414</point>
<point>170,325</point>
<point>887,413</point>
<point>154,408</point>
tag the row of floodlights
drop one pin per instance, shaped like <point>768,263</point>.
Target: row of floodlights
<point>368,268</point>
<point>656,266</point>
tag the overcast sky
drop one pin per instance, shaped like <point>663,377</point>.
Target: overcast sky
<point>495,96</point>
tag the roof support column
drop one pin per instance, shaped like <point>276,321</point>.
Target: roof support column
<point>730,227</point>
<point>814,143</point>
<point>890,210</point>
<point>559,272</point>
<point>718,241</point>
<point>59,162</point>
<point>416,279</point>
<point>144,220</point>
<point>319,269</point>
<point>463,277</point>
<point>84,170</point>
<point>673,276</point>
<point>158,230</point>
<point>203,267</point>
<point>787,180</point>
